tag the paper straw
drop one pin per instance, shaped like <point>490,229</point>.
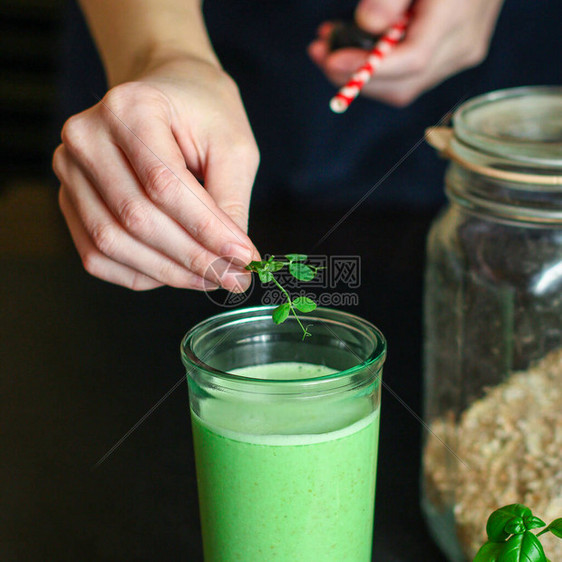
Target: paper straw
<point>341,101</point>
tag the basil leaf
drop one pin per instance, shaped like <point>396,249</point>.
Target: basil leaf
<point>515,526</point>
<point>533,523</point>
<point>495,528</point>
<point>556,528</point>
<point>489,552</point>
<point>304,304</point>
<point>296,257</point>
<point>301,271</point>
<point>522,548</point>
<point>280,313</point>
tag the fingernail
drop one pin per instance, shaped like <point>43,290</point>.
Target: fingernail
<point>241,283</point>
<point>241,254</point>
<point>222,267</point>
<point>229,275</point>
<point>210,286</point>
<point>236,281</point>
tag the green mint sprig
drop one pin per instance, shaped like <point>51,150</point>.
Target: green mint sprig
<point>299,270</point>
<point>510,538</point>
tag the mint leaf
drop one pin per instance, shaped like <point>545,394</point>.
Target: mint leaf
<point>495,528</point>
<point>522,548</point>
<point>281,312</point>
<point>301,271</point>
<point>304,304</point>
<point>489,552</point>
<point>296,257</point>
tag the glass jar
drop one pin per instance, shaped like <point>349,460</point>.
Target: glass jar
<point>493,320</point>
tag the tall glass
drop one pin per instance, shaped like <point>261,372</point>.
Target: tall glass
<point>285,434</point>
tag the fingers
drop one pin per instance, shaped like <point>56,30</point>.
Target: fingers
<point>442,39</point>
<point>94,261</point>
<point>339,65</point>
<point>113,157</point>
<point>409,56</point>
<point>376,16</point>
<point>325,30</point>
<point>439,42</point>
<point>107,250</point>
<point>430,30</point>
<point>154,155</point>
<point>139,217</point>
<point>129,170</point>
<point>420,61</point>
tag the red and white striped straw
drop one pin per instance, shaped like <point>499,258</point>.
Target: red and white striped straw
<point>342,100</point>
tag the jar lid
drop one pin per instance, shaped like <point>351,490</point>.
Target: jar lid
<point>513,134</point>
<point>522,124</point>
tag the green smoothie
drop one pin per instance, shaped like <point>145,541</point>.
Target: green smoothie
<point>292,482</point>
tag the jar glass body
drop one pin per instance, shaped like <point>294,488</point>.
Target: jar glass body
<point>492,358</point>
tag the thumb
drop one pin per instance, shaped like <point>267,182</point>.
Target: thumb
<point>376,16</point>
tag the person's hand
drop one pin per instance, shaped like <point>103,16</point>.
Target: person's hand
<point>129,170</point>
<point>443,38</point>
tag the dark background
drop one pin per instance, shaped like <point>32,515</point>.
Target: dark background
<point>83,362</point>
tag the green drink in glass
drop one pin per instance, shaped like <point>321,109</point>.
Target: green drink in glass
<point>285,435</point>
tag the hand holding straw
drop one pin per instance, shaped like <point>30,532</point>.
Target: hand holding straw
<point>341,101</point>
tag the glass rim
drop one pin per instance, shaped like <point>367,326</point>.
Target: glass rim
<point>242,315</point>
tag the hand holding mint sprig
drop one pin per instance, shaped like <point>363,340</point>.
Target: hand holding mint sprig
<point>299,270</point>
<point>510,538</point>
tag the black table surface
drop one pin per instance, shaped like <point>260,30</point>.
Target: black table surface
<point>96,458</point>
